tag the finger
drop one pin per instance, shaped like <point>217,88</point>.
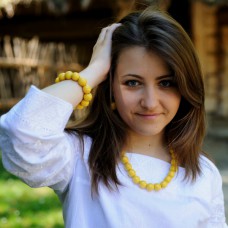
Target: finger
<point>103,33</point>
<point>110,30</point>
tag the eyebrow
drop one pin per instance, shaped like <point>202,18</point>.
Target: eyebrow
<point>157,78</point>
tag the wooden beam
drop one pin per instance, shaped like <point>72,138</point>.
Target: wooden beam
<point>57,28</point>
<point>34,63</point>
<point>51,29</point>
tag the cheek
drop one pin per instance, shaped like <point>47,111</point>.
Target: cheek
<point>124,101</point>
<point>174,102</point>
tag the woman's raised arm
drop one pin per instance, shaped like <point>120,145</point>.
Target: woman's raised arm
<point>34,145</point>
<point>95,73</point>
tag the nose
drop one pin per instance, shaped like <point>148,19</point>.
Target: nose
<point>150,98</point>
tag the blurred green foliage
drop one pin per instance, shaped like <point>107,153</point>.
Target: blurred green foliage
<point>22,206</point>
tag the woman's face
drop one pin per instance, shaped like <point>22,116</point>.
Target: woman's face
<point>145,93</point>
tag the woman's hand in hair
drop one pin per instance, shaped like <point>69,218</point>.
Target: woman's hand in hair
<point>100,62</point>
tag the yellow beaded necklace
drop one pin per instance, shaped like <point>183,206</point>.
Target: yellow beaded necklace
<point>149,186</point>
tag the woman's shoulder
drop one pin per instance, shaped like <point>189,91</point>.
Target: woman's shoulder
<point>209,169</point>
<point>207,164</point>
<point>207,183</point>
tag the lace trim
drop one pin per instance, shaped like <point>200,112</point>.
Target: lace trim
<point>218,211</point>
<point>42,111</point>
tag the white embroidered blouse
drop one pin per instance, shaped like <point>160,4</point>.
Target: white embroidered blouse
<point>36,148</point>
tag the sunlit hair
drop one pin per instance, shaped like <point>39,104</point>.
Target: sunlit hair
<point>157,32</point>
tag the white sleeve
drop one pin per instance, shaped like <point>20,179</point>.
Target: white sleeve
<point>34,144</point>
<point>217,219</point>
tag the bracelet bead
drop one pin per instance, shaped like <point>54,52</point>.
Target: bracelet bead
<point>68,75</point>
<point>79,107</point>
<point>82,82</point>
<point>62,77</point>
<point>84,103</point>
<point>57,80</point>
<point>87,96</point>
<point>86,89</point>
<point>75,76</point>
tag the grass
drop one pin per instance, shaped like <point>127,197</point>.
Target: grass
<point>22,206</point>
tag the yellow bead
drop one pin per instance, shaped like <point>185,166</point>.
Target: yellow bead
<point>84,103</point>
<point>82,82</point>
<point>172,168</point>
<point>142,184</point>
<point>131,172</point>
<point>168,179</point>
<point>86,89</point>
<point>113,106</point>
<point>150,187</point>
<point>136,179</point>
<point>127,166</point>
<point>61,76</point>
<point>171,174</point>
<point>173,162</point>
<point>88,97</point>
<point>75,76</point>
<point>124,159</point>
<point>57,80</point>
<point>164,184</point>
<point>79,107</point>
<point>68,75</point>
<point>157,187</point>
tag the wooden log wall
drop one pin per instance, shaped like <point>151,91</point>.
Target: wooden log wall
<point>65,43</point>
<point>25,62</point>
<point>223,31</point>
<point>210,38</point>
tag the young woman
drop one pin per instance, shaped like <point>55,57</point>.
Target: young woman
<point>138,163</point>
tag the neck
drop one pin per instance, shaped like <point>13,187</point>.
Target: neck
<point>154,146</point>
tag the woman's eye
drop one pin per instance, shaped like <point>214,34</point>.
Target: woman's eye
<point>166,83</point>
<point>132,83</point>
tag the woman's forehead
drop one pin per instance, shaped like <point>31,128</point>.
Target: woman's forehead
<point>139,59</point>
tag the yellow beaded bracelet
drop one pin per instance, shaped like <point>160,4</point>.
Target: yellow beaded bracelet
<point>87,96</point>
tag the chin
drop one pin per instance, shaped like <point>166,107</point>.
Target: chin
<point>149,133</point>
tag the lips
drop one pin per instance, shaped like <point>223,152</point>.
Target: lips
<point>148,115</point>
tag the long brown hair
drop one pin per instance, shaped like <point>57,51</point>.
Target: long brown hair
<point>157,32</point>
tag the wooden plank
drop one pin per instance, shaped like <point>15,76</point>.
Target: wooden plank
<point>34,63</point>
<point>8,103</point>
